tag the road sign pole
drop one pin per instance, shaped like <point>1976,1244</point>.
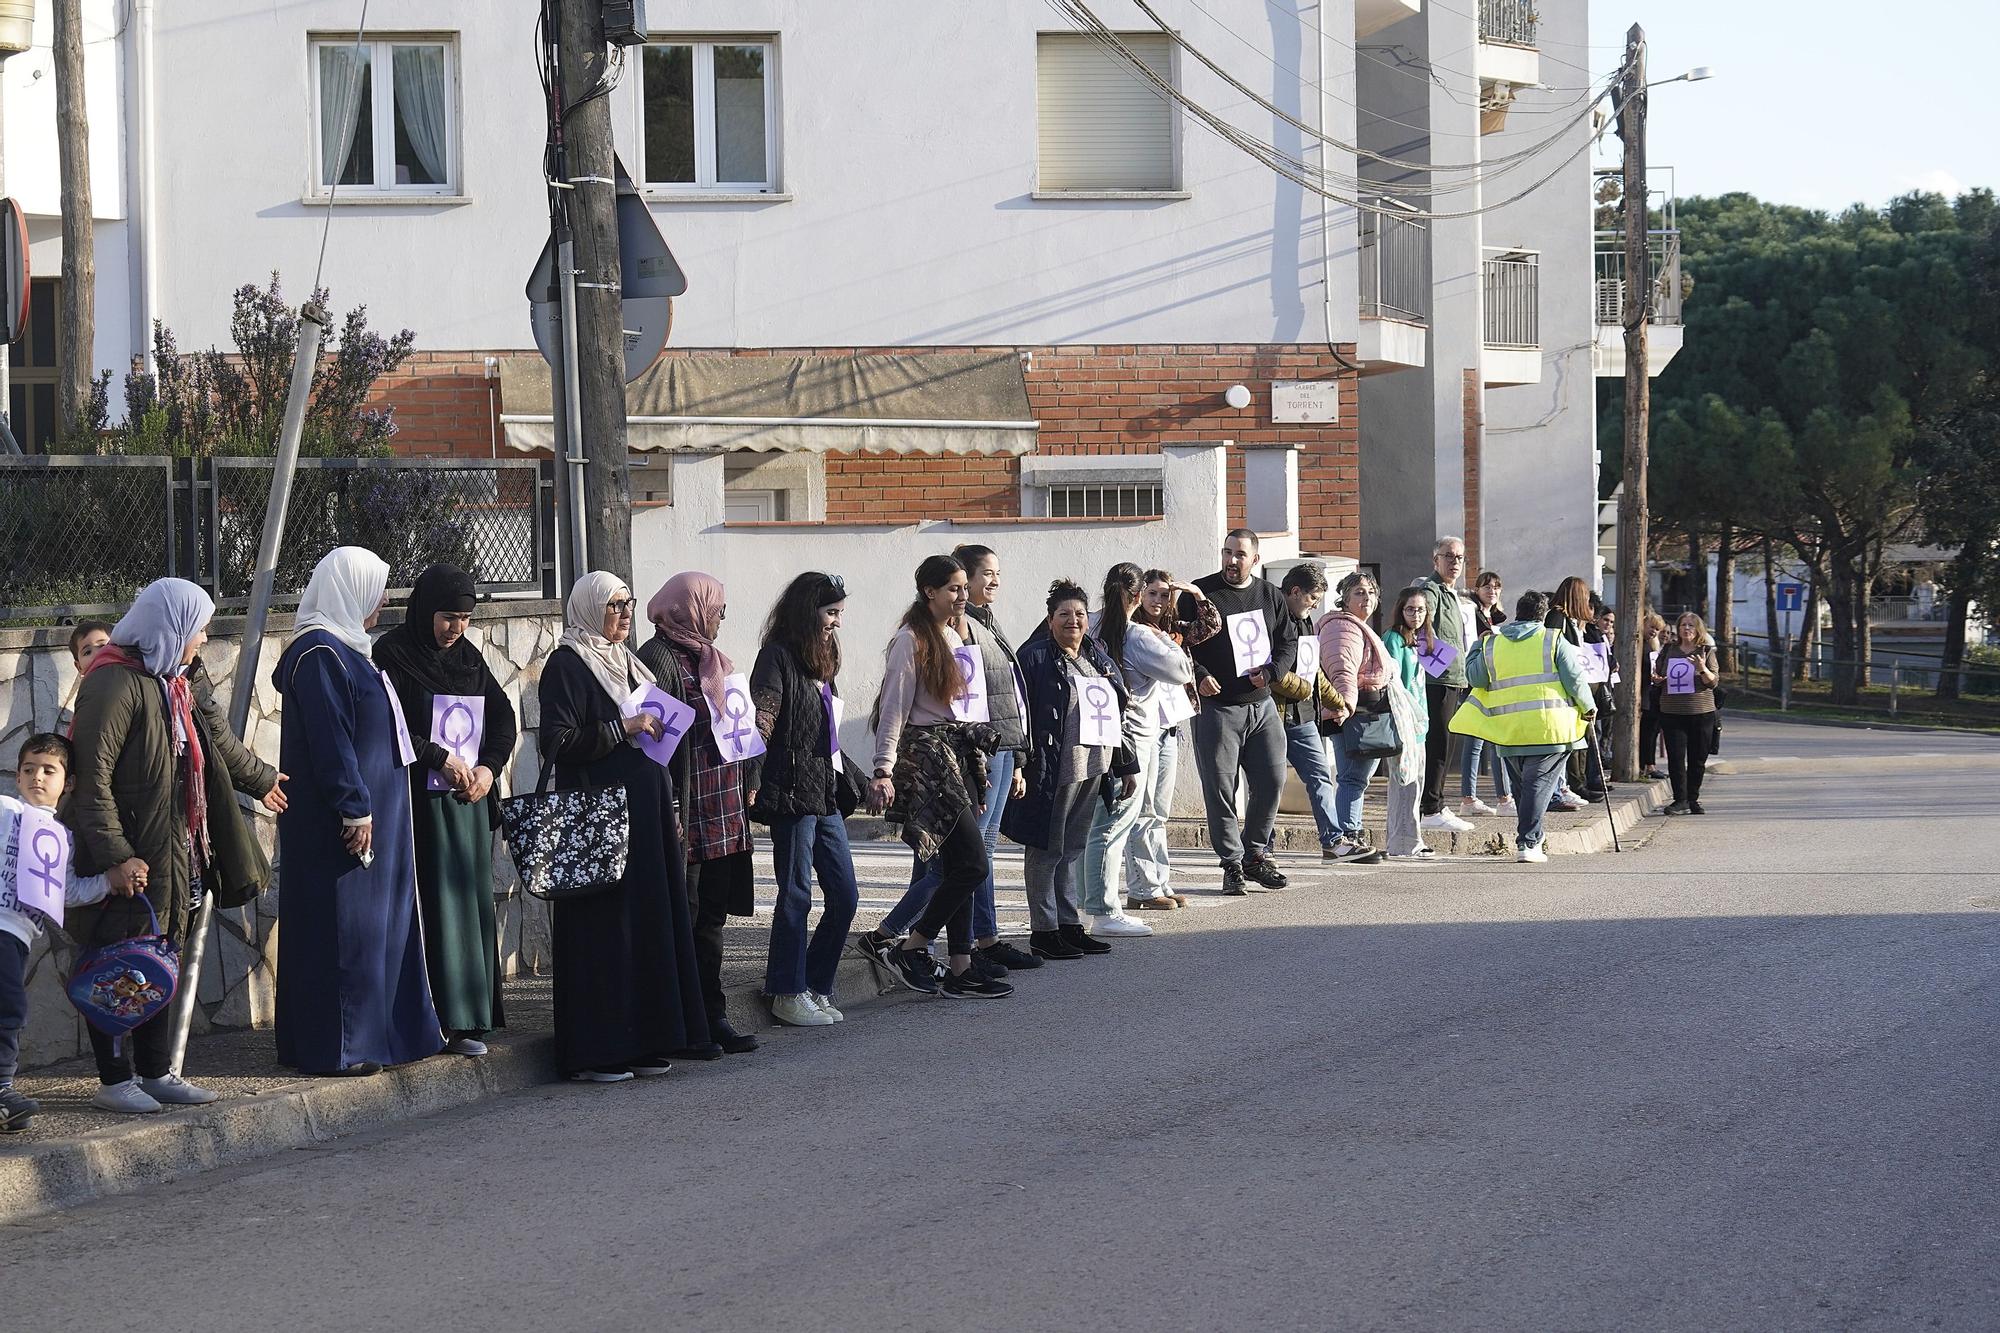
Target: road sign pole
<point>1785,666</point>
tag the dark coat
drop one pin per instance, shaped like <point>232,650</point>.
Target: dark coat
<point>798,773</point>
<point>125,802</point>
<point>1046,679</point>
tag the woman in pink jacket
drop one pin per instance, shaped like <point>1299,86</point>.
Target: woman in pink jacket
<point>1353,657</point>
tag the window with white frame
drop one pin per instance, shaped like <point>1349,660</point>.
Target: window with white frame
<point>385,115</point>
<point>708,116</point>
<point>1101,126</point>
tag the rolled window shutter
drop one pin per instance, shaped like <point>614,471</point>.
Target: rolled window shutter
<point>1101,126</point>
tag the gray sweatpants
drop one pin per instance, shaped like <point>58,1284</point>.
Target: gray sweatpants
<point>1246,738</point>
<point>1052,875</point>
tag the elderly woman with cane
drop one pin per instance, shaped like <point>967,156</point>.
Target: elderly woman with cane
<point>153,809</point>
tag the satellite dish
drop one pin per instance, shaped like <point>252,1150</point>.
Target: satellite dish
<point>649,279</point>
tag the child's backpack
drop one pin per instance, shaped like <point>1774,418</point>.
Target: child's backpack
<point>119,986</point>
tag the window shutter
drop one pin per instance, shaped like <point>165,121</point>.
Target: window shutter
<point>1101,126</point>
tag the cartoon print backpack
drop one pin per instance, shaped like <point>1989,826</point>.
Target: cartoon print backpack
<point>119,986</point>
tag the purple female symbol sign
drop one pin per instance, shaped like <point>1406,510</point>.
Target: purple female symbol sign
<point>970,705</point>
<point>1680,676</point>
<point>674,719</point>
<point>41,859</point>
<point>736,734</point>
<point>1437,657</point>
<point>458,723</point>
<point>1249,641</point>
<point>1097,722</point>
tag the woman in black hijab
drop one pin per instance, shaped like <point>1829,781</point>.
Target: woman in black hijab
<point>462,727</point>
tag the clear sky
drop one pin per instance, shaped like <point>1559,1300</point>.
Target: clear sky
<point>1820,103</point>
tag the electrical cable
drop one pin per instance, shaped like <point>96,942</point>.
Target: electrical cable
<point>350,117</point>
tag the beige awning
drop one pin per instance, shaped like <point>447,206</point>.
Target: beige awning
<point>937,402</point>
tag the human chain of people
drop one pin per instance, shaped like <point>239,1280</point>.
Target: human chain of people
<point>658,759</point>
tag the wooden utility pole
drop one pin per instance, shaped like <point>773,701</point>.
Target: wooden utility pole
<point>77,309</point>
<point>1637,309</point>
<point>600,330</point>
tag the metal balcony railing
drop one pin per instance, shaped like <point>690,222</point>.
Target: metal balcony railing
<point>1511,282</point>
<point>1509,21</point>
<point>1663,249</point>
<point>1395,255</point>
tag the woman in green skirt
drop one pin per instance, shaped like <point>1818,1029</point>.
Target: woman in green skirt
<point>462,729</point>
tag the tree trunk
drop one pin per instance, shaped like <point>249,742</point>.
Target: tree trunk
<point>1725,597</point>
<point>1697,575</point>
<point>1964,574</point>
<point>77,316</point>
<point>1802,651</point>
<point>1850,618</point>
<point>1771,610</point>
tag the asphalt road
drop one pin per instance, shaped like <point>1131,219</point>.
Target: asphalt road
<point>1741,1077</point>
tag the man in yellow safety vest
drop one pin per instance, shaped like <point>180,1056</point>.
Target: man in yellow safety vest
<point>1530,699</point>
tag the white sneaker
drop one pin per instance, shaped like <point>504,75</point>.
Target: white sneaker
<point>601,1076</point>
<point>126,1098</point>
<point>1421,854</point>
<point>1118,924</point>
<point>1447,820</point>
<point>824,1003</point>
<point>467,1046</point>
<point>798,1011</point>
<point>1472,805</point>
<point>1507,809</point>
<point>1533,854</point>
<point>173,1090</point>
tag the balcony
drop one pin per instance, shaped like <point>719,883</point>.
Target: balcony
<point>1611,292</point>
<point>1507,58</point>
<point>1511,288</point>
<point>1371,16</point>
<point>1395,290</point>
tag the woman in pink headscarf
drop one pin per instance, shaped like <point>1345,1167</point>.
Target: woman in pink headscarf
<point>713,793</point>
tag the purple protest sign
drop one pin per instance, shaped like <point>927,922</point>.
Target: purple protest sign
<point>1437,657</point>
<point>1175,706</point>
<point>674,716</point>
<point>736,732</point>
<point>406,753</point>
<point>1597,663</point>
<point>1097,716</point>
<point>1680,676</point>
<point>41,862</point>
<point>458,723</point>
<point>834,708</point>
<point>970,704</point>
<point>1249,640</point>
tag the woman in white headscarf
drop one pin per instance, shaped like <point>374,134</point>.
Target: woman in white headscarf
<point>352,991</point>
<point>627,990</point>
<point>153,809</point>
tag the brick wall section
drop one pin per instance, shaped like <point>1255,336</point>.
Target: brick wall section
<point>444,404</point>
<point>1475,435</point>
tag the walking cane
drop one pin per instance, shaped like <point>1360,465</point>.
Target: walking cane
<point>1604,775</point>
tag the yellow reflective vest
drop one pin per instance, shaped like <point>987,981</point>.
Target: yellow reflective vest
<point>1527,705</point>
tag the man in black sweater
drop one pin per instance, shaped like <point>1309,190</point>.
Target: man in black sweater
<point>1238,730</point>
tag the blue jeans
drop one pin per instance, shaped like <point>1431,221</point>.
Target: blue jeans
<point>925,876</point>
<point>1536,777</point>
<point>800,846</point>
<point>1111,833</point>
<point>1468,786</point>
<point>1306,749</point>
<point>1352,782</point>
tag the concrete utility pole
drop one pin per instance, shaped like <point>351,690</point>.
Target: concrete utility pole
<point>1637,308</point>
<point>600,331</point>
<point>76,349</point>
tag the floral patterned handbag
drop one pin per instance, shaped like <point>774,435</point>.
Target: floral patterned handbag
<point>567,844</point>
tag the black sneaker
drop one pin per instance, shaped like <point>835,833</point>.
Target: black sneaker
<point>1232,881</point>
<point>1679,808</point>
<point>730,1040</point>
<point>1265,871</point>
<point>1694,808</point>
<point>965,986</point>
<point>1002,954</point>
<point>16,1110</point>
<point>1077,938</point>
<point>707,1050</point>
<point>985,968</point>
<point>1051,945</point>
<point>876,947</point>
<point>915,968</point>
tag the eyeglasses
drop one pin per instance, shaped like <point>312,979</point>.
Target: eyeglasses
<point>622,607</point>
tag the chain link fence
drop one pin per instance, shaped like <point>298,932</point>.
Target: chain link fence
<point>79,536</point>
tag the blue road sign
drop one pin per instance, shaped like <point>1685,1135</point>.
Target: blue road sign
<point>1790,596</point>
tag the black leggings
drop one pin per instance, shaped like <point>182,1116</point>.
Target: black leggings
<point>1649,738</point>
<point>711,913</point>
<point>1687,736</point>
<point>963,864</point>
<point>147,1046</point>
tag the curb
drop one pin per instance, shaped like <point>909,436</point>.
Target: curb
<point>1774,714</point>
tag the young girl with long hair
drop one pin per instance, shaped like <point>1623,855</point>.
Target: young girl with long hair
<point>1408,639</point>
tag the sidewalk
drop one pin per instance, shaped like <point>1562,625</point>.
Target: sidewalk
<point>74,1153</point>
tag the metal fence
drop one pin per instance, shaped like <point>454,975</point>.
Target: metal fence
<point>78,536</point>
<point>1511,281</point>
<point>1510,21</point>
<point>1663,248</point>
<point>1395,281</point>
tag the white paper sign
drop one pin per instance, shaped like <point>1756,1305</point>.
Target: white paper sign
<point>674,715</point>
<point>834,708</point>
<point>1308,667</point>
<point>970,705</point>
<point>1680,676</point>
<point>406,753</point>
<point>1097,713</point>
<point>1249,640</point>
<point>1175,707</point>
<point>41,862</point>
<point>1597,663</point>
<point>736,730</point>
<point>458,723</point>
<point>1438,657</point>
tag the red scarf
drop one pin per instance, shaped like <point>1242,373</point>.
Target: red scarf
<point>181,725</point>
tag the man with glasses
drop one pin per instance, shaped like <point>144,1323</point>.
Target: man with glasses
<point>1444,689</point>
<point>1238,733</point>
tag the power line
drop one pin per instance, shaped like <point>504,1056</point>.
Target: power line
<point>349,118</point>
